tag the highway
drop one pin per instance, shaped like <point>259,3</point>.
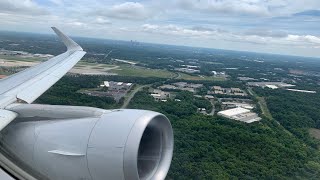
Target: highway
<point>131,95</point>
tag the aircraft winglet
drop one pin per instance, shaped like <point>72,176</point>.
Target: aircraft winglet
<point>71,45</point>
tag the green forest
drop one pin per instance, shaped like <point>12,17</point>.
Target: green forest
<point>209,147</point>
<point>212,147</point>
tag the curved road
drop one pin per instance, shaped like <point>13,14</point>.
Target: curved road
<point>128,99</point>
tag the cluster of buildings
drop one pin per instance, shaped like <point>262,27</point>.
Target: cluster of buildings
<point>277,85</point>
<point>116,90</point>
<point>160,95</point>
<point>239,109</point>
<point>233,104</point>
<point>215,73</point>
<point>183,86</point>
<point>116,86</point>
<point>191,69</point>
<point>218,90</point>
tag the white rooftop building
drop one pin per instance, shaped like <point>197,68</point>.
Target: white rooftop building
<point>106,83</point>
<point>271,86</point>
<point>240,114</point>
<point>232,112</point>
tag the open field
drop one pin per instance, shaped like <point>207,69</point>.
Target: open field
<point>16,63</point>
<point>107,69</point>
<point>127,70</point>
<point>199,78</point>
<point>21,58</point>
<point>93,68</point>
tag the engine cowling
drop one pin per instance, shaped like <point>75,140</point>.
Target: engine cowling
<point>65,142</point>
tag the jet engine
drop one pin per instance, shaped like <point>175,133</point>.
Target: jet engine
<point>68,142</point>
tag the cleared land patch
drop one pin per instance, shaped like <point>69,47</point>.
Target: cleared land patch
<point>314,133</point>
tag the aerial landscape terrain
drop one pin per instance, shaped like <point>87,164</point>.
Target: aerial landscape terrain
<point>235,115</point>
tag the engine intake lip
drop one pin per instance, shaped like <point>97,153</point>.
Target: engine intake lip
<point>149,148</point>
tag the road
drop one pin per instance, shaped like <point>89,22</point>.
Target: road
<point>213,108</point>
<point>131,95</point>
<point>262,103</point>
<point>265,110</point>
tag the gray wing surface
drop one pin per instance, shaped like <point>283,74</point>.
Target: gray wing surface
<point>31,83</point>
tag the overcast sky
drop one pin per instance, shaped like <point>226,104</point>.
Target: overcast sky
<point>272,26</point>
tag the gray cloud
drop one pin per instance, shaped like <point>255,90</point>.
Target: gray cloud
<point>261,37</point>
<point>230,24</point>
<point>267,33</point>
<point>127,10</point>
<point>231,7</point>
<point>315,13</point>
<point>202,28</point>
<point>26,7</point>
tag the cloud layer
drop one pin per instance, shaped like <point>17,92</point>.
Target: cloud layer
<point>275,26</point>
<point>21,7</point>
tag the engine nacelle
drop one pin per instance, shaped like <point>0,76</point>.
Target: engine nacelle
<point>66,142</point>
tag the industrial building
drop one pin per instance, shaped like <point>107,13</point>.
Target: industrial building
<point>303,91</point>
<point>159,95</point>
<point>240,114</point>
<point>183,86</point>
<point>116,86</point>
<point>272,85</point>
<point>227,91</point>
<point>116,90</point>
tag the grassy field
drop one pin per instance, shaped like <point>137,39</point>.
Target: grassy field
<point>199,78</point>
<point>128,70</point>
<point>19,58</point>
<point>83,62</point>
<point>124,69</point>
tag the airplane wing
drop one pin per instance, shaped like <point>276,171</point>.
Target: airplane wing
<point>68,142</point>
<point>28,85</point>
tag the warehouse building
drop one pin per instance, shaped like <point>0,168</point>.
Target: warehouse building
<point>240,114</point>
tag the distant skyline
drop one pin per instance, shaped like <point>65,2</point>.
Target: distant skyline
<point>290,27</point>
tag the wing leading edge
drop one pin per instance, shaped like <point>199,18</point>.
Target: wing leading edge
<point>31,83</point>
